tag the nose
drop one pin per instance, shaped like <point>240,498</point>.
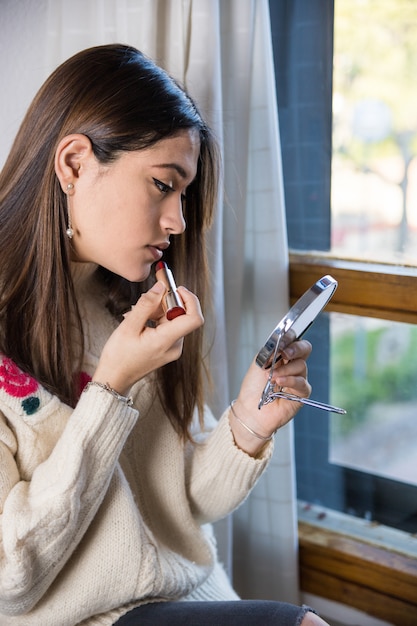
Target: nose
<point>172,217</point>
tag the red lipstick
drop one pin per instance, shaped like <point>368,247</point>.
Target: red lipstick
<point>172,304</point>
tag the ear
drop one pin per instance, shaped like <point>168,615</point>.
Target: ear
<point>72,152</point>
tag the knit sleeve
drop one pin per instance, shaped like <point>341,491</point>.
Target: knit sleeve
<point>55,466</point>
<point>220,475</point>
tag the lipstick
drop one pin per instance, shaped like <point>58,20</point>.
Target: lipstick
<point>172,304</point>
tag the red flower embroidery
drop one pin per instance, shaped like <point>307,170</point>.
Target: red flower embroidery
<point>17,383</point>
<point>83,379</point>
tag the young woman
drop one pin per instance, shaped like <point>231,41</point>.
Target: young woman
<point>111,466</point>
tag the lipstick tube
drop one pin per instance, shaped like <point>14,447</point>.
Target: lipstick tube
<point>171,303</point>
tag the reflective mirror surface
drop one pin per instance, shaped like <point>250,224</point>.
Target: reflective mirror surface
<point>298,319</point>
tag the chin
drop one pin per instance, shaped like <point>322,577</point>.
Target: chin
<point>133,272</point>
<point>136,275</point>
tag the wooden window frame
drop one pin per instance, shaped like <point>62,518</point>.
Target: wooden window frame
<point>334,565</point>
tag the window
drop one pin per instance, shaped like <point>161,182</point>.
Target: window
<point>344,557</point>
<point>360,204</point>
<point>374,165</point>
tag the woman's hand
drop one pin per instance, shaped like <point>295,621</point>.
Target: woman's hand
<point>135,349</point>
<point>290,373</point>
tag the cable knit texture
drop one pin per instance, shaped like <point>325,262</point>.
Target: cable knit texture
<point>103,507</point>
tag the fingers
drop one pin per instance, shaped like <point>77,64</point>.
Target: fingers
<point>297,385</point>
<point>136,347</point>
<point>294,378</point>
<point>149,306</point>
<point>192,305</point>
<point>291,372</point>
<point>297,350</point>
<point>193,318</point>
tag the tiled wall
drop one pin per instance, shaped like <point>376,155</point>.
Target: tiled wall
<point>302,40</point>
<point>302,35</point>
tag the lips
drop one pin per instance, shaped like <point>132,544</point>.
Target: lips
<point>157,250</point>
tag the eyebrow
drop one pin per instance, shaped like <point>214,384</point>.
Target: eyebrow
<point>173,166</point>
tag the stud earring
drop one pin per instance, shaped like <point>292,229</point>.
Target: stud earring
<point>69,231</point>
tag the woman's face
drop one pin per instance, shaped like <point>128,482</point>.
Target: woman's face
<point>124,214</point>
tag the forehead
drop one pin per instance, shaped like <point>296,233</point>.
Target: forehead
<point>181,149</point>
<point>176,155</point>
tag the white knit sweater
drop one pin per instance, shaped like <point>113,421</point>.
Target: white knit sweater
<point>104,508</point>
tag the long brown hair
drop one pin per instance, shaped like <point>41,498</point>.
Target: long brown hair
<point>122,101</point>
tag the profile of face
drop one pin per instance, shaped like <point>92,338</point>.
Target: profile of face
<point>123,214</point>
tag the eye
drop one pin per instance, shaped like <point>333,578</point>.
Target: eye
<point>163,188</point>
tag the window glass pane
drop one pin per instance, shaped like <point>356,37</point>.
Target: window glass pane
<point>374,165</point>
<point>363,463</point>
<point>373,376</point>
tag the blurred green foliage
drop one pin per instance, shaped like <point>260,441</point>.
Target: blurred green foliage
<point>368,375</point>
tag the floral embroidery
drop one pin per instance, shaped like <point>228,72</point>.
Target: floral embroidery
<point>83,379</point>
<point>17,383</point>
<point>31,405</point>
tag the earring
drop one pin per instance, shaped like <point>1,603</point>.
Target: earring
<point>69,231</point>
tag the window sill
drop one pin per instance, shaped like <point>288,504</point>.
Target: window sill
<point>358,563</point>
<point>366,289</point>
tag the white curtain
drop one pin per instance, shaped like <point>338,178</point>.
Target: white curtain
<point>221,51</point>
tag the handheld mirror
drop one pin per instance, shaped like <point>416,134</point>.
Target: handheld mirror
<point>292,327</point>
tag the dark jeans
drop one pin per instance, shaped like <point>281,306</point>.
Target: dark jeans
<point>231,613</point>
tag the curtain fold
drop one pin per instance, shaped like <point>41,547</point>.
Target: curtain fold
<point>221,51</point>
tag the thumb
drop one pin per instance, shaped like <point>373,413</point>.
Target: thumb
<point>148,304</point>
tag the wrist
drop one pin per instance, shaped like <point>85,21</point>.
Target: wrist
<point>118,384</point>
<point>248,428</point>
<point>106,387</point>
<point>247,435</point>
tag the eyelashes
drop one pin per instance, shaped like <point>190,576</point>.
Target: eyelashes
<point>165,189</point>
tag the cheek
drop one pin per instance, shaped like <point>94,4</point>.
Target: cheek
<point>113,209</point>
<point>93,209</point>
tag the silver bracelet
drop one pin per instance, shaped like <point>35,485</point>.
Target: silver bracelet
<point>106,387</point>
<point>252,432</point>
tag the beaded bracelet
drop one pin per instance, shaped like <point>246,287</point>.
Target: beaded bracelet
<point>106,387</point>
<point>252,432</point>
